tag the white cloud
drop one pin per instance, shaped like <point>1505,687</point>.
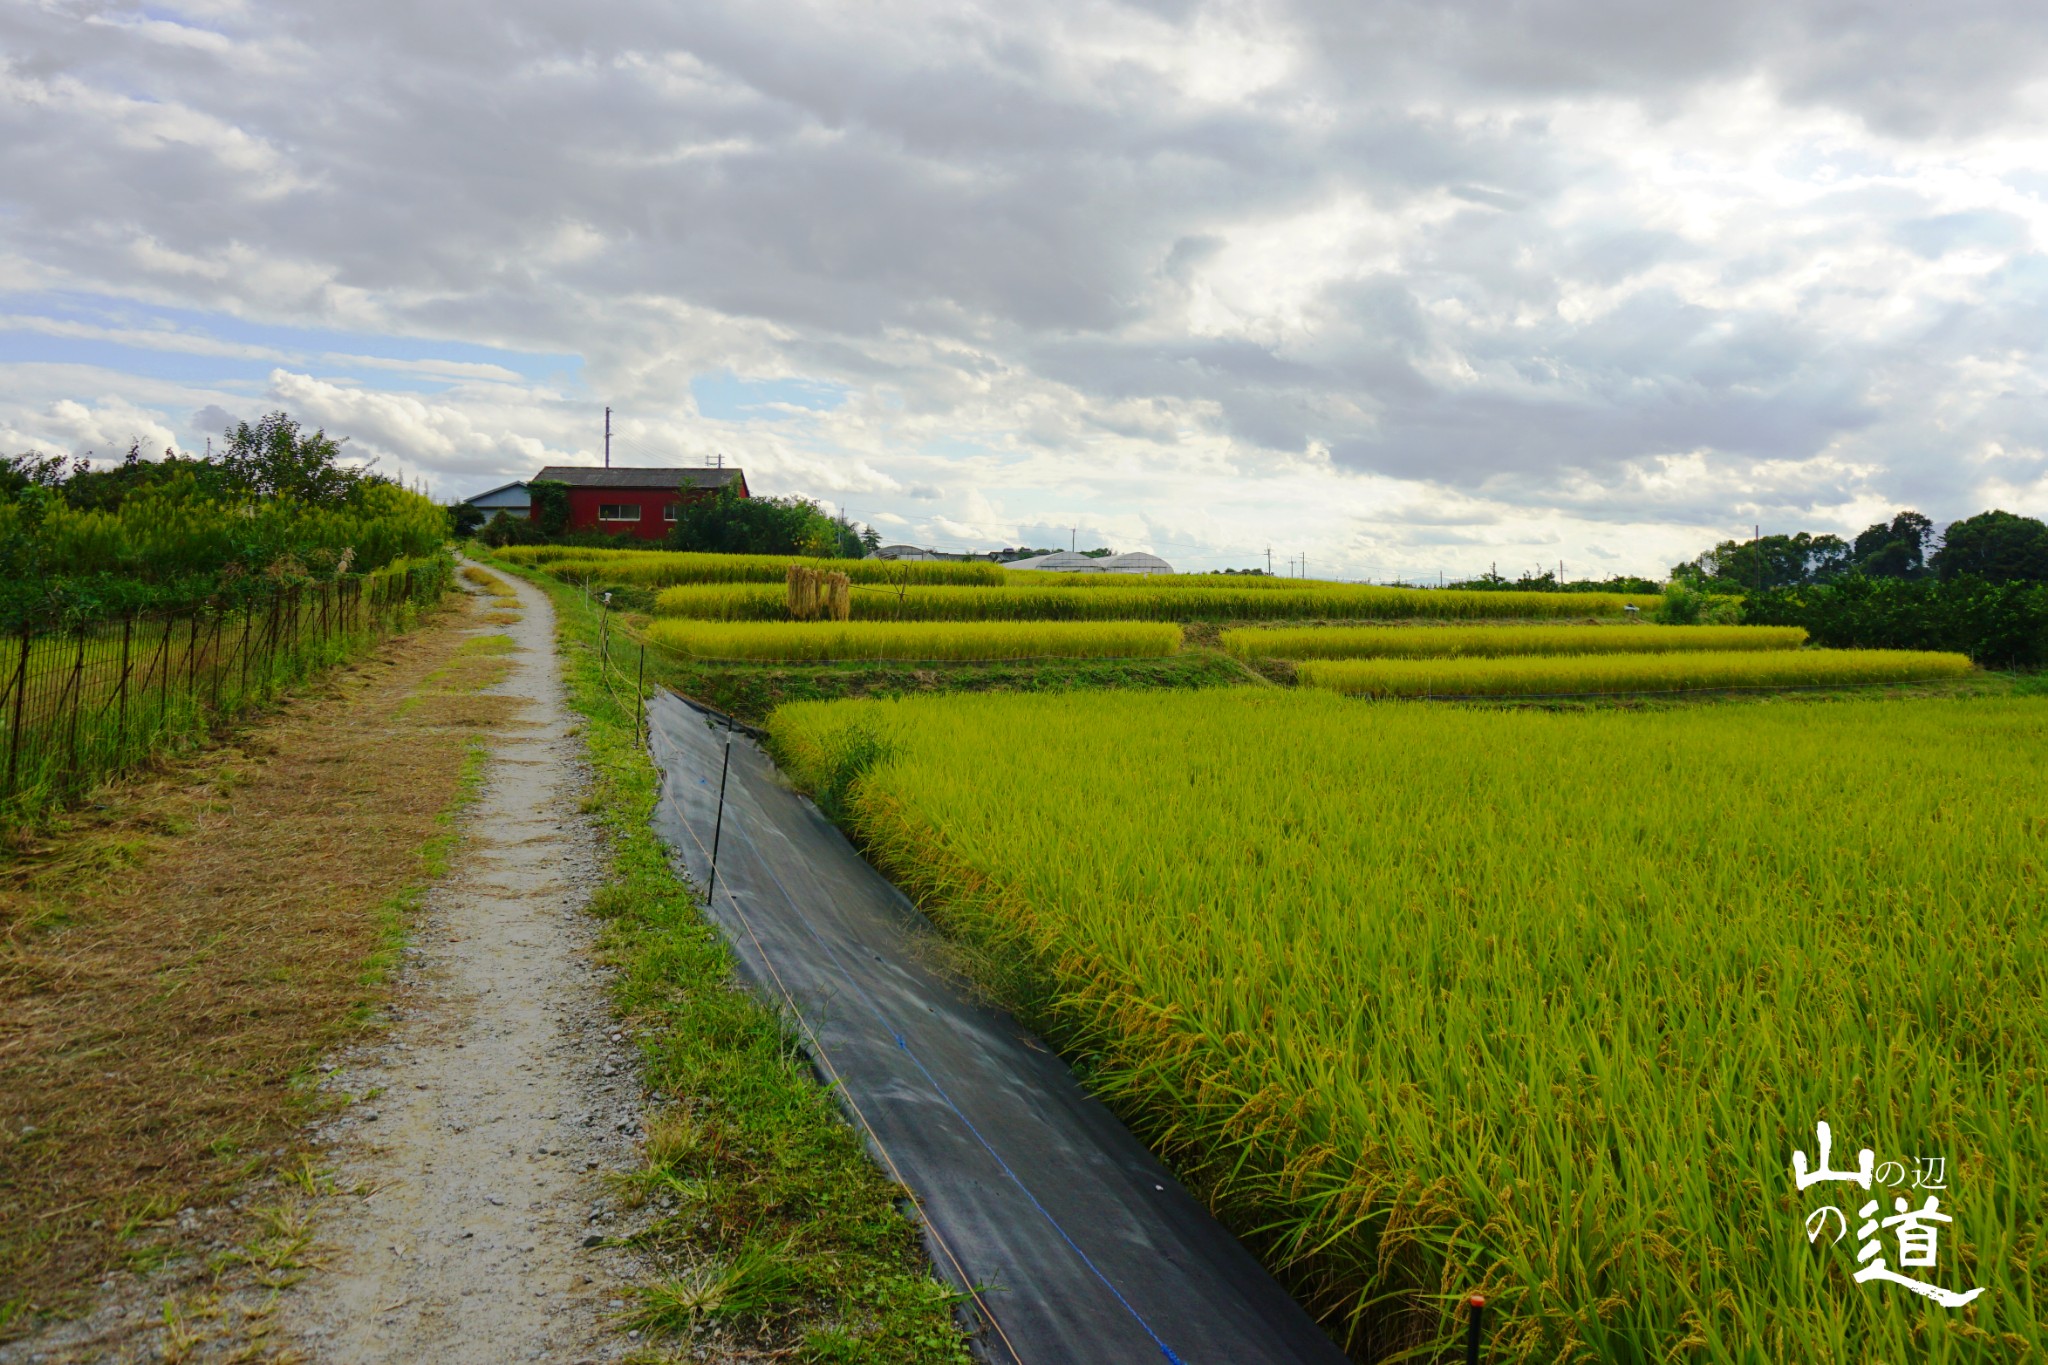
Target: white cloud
<point>1408,284</point>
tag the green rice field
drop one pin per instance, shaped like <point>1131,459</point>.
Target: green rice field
<point>1574,674</point>
<point>1433,1000</point>
<point>815,641</point>
<point>1443,642</point>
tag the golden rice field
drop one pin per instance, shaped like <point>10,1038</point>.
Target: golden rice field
<point>1444,642</point>
<point>665,568</point>
<point>1571,674</point>
<point>1427,1001</point>
<point>814,641</point>
<point>1138,600</point>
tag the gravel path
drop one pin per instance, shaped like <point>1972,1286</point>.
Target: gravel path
<point>499,1097</point>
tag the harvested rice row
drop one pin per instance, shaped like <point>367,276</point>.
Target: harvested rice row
<point>819,641</point>
<point>750,602</point>
<point>1445,642</point>
<point>1583,673</point>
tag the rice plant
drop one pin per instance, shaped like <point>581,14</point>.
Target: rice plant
<point>1427,1001</point>
<point>818,641</point>
<point>1443,642</point>
<point>1138,600</point>
<point>667,568</point>
<point>1536,675</point>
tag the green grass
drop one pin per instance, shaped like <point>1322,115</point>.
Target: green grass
<point>1587,673</point>
<point>782,1229</point>
<point>1433,1000</point>
<point>1446,642</point>
<point>1137,600</point>
<point>753,691</point>
<point>822,641</point>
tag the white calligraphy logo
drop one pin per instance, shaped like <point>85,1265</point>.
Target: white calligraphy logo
<point>1917,1230</point>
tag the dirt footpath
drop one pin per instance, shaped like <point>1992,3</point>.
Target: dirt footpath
<point>488,1113</point>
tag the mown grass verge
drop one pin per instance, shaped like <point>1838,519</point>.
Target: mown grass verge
<point>176,957</point>
<point>784,1236</point>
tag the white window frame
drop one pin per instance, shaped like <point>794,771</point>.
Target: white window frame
<point>669,510</point>
<point>605,511</point>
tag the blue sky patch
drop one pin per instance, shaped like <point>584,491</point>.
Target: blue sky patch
<point>723,396</point>
<point>195,347</point>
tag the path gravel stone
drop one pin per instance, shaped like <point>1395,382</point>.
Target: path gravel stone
<point>488,1114</point>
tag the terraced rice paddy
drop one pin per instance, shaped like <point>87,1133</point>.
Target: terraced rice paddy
<point>1444,642</point>
<point>1433,1000</point>
<point>814,641</point>
<point>1138,600</point>
<point>666,568</point>
<point>1539,675</point>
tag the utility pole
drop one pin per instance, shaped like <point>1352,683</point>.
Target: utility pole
<point>607,436</point>
<point>1073,539</point>
<point>1269,561</point>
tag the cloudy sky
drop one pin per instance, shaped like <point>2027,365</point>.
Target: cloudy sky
<point>1404,287</point>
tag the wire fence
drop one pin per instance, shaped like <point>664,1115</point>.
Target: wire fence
<point>81,703</point>
<point>606,667</point>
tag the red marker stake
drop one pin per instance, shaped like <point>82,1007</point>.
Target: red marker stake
<point>1477,1303</point>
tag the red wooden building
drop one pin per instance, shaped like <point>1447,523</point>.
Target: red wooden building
<point>640,502</point>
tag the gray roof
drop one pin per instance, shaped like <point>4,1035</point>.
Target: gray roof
<point>493,492</point>
<point>597,476</point>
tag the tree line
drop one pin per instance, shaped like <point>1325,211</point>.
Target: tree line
<point>274,504</point>
<point>1979,587</point>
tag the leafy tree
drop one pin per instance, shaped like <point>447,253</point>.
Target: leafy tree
<point>30,469</point>
<point>551,499</point>
<point>505,529</point>
<point>1995,546</point>
<point>2000,625</point>
<point>870,540</point>
<point>1768,562</point>
<point>275,459</point>
<point>727,523</point>
<point>464,520</point>
<point>1897,550</point>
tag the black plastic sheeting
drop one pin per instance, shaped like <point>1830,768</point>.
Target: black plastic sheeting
<point>1082,1247</point>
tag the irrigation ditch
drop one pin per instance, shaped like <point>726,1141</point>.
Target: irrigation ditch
<point>1070,1240</point>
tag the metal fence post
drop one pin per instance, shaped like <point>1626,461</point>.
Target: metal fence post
<point>192,657</point>
<point>77,697</point>
<point>121,720</point>
<point>20,696</point>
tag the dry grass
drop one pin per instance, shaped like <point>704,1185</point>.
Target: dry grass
<point>178,956</point>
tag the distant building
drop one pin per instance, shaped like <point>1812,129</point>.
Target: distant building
<point>913,552</point>
<point>639,502</point>
<point>509,498</point>
<point>1067,561</point>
